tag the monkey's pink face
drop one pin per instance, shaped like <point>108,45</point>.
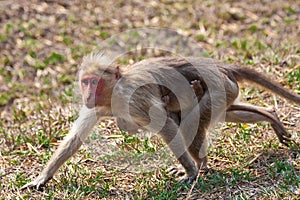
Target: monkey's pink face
<point>91,88</point>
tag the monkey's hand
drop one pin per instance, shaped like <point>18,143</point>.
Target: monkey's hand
<point>166,99</point>
<point>38,182</point>
<point>178,170</point>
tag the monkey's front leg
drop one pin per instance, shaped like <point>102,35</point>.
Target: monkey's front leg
<point>65,150</point>
<point>87,119</point>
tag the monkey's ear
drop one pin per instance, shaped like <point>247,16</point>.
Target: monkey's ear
<point>118,74</point>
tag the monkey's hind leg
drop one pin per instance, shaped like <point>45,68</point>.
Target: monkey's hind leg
<point>246,113</point>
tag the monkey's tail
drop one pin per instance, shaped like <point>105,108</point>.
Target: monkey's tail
<point>242,73</point>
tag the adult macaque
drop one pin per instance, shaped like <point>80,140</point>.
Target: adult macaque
<point>138,97</point>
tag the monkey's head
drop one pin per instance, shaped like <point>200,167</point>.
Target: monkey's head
<point>96,82</point>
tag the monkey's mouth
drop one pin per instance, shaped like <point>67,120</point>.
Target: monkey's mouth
<point>89,103</point>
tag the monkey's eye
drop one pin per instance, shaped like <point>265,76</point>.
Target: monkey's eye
<point>85,81</point>
<point>94,82</point>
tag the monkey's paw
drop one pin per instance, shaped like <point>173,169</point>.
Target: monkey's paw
<point>283,136</point>
<point>176,170</point>
<point>187,179</point>
<point>37,183</point>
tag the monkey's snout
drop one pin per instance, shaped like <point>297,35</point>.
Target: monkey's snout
<point>89,100</point>
<point>89,96</point>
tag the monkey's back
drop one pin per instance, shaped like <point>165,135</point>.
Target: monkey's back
<point>146,82</point>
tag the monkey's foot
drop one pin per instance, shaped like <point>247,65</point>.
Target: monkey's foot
<point>37,183</point>
<point>282,134</point>
<point>284,137</point>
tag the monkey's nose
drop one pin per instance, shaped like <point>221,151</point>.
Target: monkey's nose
<point>89,96</point>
